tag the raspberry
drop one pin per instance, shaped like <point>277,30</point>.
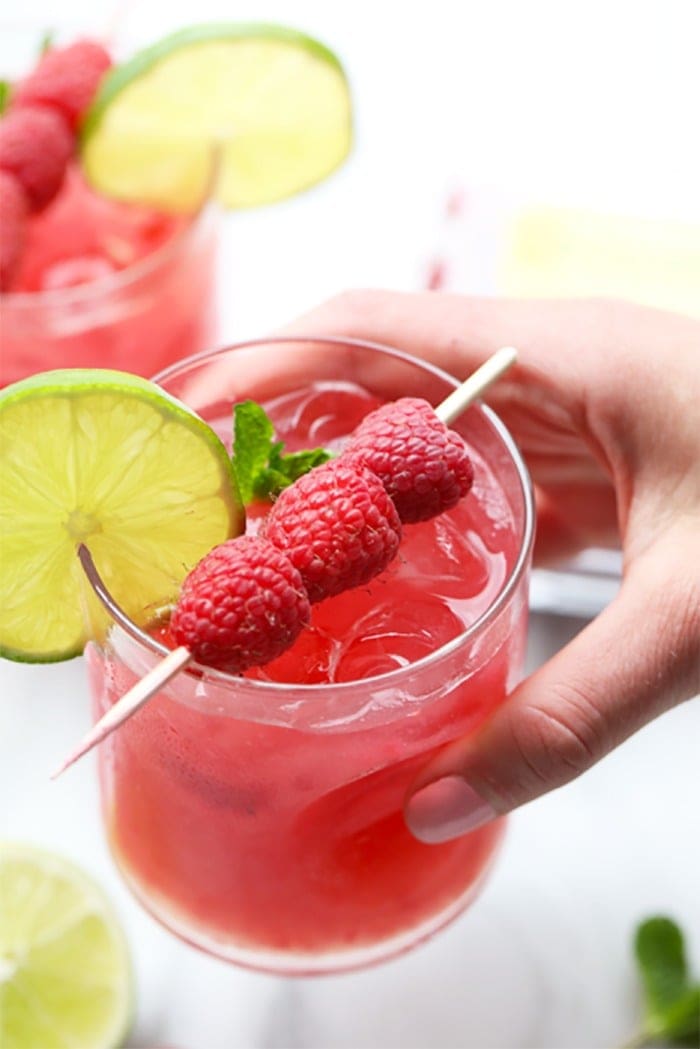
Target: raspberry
<point>13,221</point>
<point>66,80</point>
<point>424,466</point>
<point>35,146</point>
<point>337,526</point>
<point>241,606</point>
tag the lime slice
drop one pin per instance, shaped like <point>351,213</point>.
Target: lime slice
<point>111,460</point>
<point>268,106</point>
<point>65,977</point>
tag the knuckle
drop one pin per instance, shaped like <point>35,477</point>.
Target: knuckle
<point>679,639</point>
<point>559,738</point>
<point>665,579</point>
<point>353,301</point>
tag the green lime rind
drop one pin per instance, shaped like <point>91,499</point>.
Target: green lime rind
<point>257,162</point>
<point>140,64</point>
<point>75,381</point>
<point>15,655</point>
<point>68,973</point>
<point>112,460</point>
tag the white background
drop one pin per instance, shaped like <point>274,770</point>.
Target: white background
<point>593,104</point>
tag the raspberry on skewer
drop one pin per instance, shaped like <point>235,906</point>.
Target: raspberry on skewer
<point>338,527</point>
<point>35,147</point>
<point>65,80</point>
<point>241,606</point>
<point>424,467</point>
<point>37,137</point>
<point>179,658</point>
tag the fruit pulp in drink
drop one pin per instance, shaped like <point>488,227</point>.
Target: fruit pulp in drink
<point>278,832</point>
<point>107,284</point>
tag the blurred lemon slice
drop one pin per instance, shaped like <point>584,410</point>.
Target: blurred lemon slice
<point>65,976</point>
<point>266,107</point>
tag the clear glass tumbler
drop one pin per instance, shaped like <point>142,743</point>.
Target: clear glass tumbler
<point>260,817</point>
<point>140,319</point>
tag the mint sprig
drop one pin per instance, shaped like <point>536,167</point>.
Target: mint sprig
<point>261,466</point>
<point>46,42</point>
<point>671,998</point>
<point>6,87</point>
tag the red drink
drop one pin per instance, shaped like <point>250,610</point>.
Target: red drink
<point>108,285</point>
<point>261,817</point>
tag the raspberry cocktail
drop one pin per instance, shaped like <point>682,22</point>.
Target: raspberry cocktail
<point>260,816</point>
<point>110,285</point>
<point>87,280</point>
<point>109,173</point>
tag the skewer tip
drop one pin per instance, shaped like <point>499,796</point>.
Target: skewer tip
<point>65,765</point>
<point>133,700</point>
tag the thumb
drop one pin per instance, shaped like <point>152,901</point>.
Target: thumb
<point>638,658</point>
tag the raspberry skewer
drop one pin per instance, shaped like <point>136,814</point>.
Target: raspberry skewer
<point>277,585</point>
<point>38,137</point>
<point>65,80</point>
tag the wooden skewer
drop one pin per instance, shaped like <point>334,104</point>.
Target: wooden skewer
<point>473,387</point>
<point>130,702</point>
<point>449,410</point>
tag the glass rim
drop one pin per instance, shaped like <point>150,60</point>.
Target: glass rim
<point>111,283</point>
<point>385,679</point>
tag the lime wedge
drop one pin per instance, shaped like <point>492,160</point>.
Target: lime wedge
<point>266,106</point>
<point>111,460</point>
<point>65,977</point>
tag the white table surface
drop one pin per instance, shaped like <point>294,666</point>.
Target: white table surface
<point>582,103</point>
<point>542,960</point>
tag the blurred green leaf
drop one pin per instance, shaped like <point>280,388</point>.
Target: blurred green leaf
<point>660,952</point>
<point>671,1001</point>
<point>682,1020</point>
<point>46,42</point>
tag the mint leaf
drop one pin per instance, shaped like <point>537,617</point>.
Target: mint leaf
<point>253,435</point>
<point>261,467</point>
<point>4,94</point>
<point>682,1021</point>
<point>46,42</point>
<point>660,953</point>
<point>296,464</point>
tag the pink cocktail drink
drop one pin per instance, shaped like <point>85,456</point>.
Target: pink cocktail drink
<point>261,817</point>
<point>104,284</point>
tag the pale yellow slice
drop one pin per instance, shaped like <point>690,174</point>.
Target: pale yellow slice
<point>110,460</point>
<point>65,974</point>
<point>251,113</point>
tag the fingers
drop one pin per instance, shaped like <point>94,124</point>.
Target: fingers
<point>638,658</point>
<point>604,394</point>
<point>542,399</point>
<point>603,403</point>
<point>457,332</point>
<point>573,353</point>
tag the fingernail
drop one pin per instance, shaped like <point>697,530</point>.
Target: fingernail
<point>445,809</point>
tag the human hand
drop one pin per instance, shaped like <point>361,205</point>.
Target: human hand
<point>604,404</point>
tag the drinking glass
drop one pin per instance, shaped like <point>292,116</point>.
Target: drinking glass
<point>156,310</point>
<point>260,817</point>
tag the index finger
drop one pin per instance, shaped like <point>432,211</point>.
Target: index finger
<point>457,332</point>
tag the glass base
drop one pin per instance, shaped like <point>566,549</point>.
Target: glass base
<point>289,963</point>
